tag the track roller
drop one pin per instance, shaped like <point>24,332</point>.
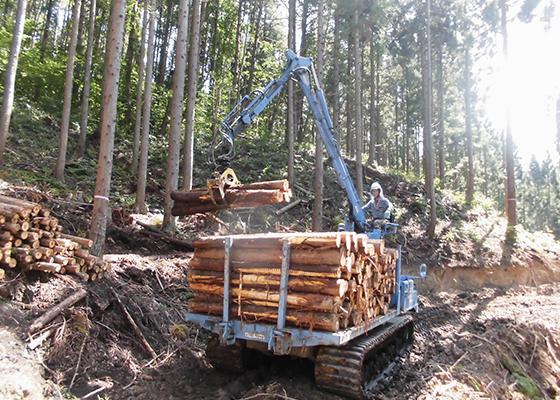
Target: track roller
<point>355,369</point>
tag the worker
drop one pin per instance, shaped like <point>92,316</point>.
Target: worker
<point>379,206</point>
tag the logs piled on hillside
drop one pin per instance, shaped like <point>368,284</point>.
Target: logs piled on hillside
<point>188,202</point>
<point>32,239</point>
<point>336,280</point>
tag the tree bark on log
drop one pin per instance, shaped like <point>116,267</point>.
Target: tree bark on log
<point>307,301</point>
<point>304,319</point>
<point>305,284</point>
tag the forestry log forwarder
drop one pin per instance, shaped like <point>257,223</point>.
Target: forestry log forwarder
<point>337,298</point>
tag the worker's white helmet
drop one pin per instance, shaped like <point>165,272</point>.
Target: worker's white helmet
<point>375,186</point>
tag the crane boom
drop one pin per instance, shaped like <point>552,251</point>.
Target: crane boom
<point>300,69</point>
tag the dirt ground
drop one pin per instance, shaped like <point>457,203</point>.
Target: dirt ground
<point>493,341</point>
<point>488,324</point>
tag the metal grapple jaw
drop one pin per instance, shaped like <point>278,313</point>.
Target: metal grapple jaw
<point>220,181</point>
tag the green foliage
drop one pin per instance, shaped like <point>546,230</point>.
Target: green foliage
<point>523,383</point>
<point>511,234</point>
<point>418,206</point>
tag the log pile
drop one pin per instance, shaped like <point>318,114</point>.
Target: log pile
<point>32,239</point>
<point>336,280</point>
<point>201,200</point>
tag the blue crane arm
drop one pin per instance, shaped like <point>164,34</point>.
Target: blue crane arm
<point>298,68</point>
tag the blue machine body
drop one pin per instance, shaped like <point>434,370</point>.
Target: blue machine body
<point>280,338</point>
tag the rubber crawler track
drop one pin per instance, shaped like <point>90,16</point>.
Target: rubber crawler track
<point>341,369</point>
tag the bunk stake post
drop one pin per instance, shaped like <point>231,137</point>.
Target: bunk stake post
<point>284,275</point>
<point>398,280</point>
<point>226,331</point>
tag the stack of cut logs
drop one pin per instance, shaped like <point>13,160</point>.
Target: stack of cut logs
<point>336,280</point>
<point>32,239</point>
<point>201,200</point>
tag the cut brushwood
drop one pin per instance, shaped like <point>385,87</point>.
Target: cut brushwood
<point>48,316</point>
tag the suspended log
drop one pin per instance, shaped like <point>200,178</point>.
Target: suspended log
<point>202,200</point>
<point>184,196</point>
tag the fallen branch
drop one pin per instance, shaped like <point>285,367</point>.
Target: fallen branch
<point>77,364</point>
<point>39,341</point>
<point>134,326</point>
<point>213,217</point>
<point>48,316</point>
<point>304,190</point>
<point>288,207</point>
<point>154,232</point>
<point>151,228</point>
<point>169,239</point>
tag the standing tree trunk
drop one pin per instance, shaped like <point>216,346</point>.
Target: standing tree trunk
<point>129,59</point>
<point>468,116</point>
<point>511,207</point>
<point>291,95</point>
<point>441,118</point>
<point>177,100</point>
<point>318,201</point>
<point>235,66</point>
<point>100,213</point>
<point>558,125</point>
<point>80,151</point>
<point>165,43</point>
<point>359,120</point>
<point>336,75</point>
<point>10,81</point>
<point>79,50</point>
<point>194,58</point>
<point>140,205</point>
<point>65,124</point>
<point>429,172</point>
<point>46,28</point>
<point>373,104</point>
<point>397,121</point>
<point>348,94</point>
<point>300,123</point>
<point>249,87</point>
<point>138,121</point>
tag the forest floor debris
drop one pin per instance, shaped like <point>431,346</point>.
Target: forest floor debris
<point>474,339</point>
